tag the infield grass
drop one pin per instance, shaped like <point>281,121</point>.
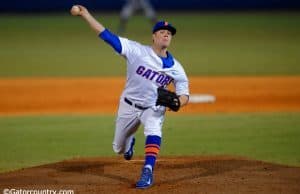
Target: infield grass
<point>251,43</point>
<point>33,140</point>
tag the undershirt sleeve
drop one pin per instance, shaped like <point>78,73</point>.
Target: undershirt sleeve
<point>112,39</point>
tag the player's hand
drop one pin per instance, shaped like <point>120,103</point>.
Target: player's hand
<point>82,10</point>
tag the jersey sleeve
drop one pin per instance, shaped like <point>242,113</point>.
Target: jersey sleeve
<point>130,49</point>
<point>182,87</point>
<point>111,39</point>
<point>127,48</point>
<point>181,82</point>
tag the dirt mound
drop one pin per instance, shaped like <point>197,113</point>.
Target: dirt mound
<point>172,175</point>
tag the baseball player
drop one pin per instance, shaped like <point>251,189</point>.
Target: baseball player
<point>145,97</point>
<point>134,5</point>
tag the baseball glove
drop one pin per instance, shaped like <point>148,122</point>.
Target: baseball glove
<point>168,99</point>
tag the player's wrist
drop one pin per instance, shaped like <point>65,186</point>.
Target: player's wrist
<point>184,99</point>
<point>86,15</point>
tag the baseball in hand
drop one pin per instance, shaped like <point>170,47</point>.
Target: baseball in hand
<point>75,10</point>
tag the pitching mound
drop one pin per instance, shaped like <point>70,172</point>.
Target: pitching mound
<point>172,175</point>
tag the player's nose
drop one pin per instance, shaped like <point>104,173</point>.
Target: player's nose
<point>166,35</point>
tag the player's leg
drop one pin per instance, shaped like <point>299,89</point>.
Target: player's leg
<point>125,14</point>
<point>127,123</point>
<point>149,11</point>
<point>152,121</point>
<point>130,142</point>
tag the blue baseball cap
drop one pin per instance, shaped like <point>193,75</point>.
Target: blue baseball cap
<point>164,25</point>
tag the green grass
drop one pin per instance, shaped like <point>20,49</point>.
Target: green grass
<point>32,140</point>
<point>254,43</point>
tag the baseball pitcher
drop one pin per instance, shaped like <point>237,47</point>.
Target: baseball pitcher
<point>145,97</point>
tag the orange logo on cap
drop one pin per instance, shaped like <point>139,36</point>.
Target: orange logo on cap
<point>166,23</point>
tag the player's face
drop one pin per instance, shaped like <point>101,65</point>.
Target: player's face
<point>162,38</point>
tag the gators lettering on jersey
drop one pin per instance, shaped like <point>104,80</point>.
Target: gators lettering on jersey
<point>146,71</point>
<point>159,78</point>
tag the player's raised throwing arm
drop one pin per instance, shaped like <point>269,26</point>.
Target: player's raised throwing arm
<point>85,14</point>
<point>101,31</point>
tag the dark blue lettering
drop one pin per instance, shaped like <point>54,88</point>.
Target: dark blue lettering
<point>140,70</point>
<point>160,78</point>
<point>170,80</point>
<point>166,81</point>
<point>147,73</point>
<point>154,73</point>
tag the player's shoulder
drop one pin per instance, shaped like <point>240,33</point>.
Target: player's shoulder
<point>178,70</point>
<point>133,47</point>
<point>131,42</point>
<point>177,64</point>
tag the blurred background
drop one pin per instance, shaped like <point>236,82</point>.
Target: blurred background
<point>166,5</point>
<point>215,37</point>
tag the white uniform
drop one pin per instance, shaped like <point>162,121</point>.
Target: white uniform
<point>145,73</point>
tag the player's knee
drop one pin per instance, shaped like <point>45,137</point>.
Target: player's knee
<point>118,149</point>
<point>155,132</point>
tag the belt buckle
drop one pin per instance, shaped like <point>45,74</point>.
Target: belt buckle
<point>133,104</point>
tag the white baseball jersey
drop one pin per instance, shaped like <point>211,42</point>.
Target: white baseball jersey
<point>145,73</point>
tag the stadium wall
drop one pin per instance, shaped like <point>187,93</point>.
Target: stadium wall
<point>115,5</point>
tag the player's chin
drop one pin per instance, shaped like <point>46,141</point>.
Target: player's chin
<point>165,45</point>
